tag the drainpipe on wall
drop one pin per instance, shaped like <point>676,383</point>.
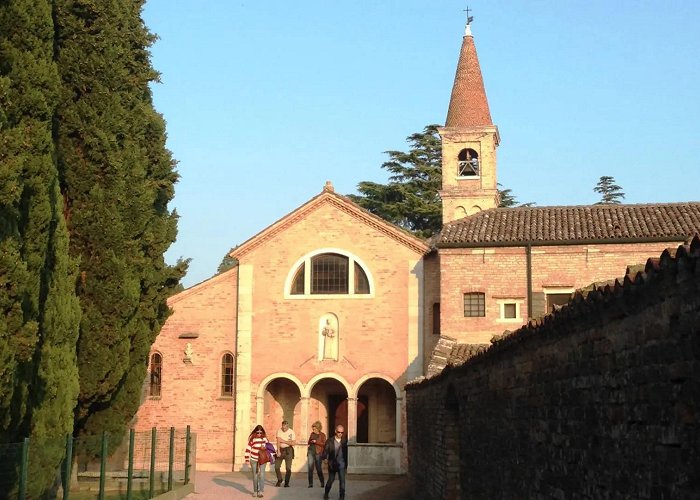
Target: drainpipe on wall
<point>528,272</point>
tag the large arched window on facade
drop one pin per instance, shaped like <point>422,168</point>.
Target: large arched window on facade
<point>330,273</point>
<point>156,374</point>
<point>227,375</point>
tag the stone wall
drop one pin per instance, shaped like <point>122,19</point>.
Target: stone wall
<point>599,400</point>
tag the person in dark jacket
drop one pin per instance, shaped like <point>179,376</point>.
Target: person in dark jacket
<point>336,453</point>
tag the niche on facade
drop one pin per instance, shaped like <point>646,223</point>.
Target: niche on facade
<point>328,337</point>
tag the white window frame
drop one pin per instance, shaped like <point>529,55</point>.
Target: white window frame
<point>502,310</point>
<point>555,290</point>
<point>306,260</point>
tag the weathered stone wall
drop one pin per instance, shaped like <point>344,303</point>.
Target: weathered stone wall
<point>599,400</point>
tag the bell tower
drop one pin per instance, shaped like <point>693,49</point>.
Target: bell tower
<point>469,141</point>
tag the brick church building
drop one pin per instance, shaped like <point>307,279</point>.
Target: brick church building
<point>331,310</point>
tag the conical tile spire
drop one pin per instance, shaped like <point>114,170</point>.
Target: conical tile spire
<point>468,104</point>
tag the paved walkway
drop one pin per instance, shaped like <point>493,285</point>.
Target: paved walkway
<point>239,485</point>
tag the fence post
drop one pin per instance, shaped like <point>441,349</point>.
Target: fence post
<point>103,460</point>
<point>187,456</point>
<point>23,470</point>
<point>151,479</point>
<point>69,466</point>
<point>171,457</point>
<point>130,473</point>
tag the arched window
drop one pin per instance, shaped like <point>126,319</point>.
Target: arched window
<point>156,372</point>
<point>468,163</point>
<point>330,273</point>
<point>227,375</point>
<point>298,283</point>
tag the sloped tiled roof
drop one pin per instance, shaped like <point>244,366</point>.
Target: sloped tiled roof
<point>448,351</point>
<point>571,224</point>
<point>468,104</point>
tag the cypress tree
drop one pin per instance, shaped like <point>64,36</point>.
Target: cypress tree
<point>117,177</point>
<point>39,312</point>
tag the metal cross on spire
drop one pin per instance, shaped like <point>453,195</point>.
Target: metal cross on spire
<point>469,18</point>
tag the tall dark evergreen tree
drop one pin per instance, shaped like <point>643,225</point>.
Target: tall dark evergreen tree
<point>118,178</point>
<point>411,199</point>
<point>39,312</point>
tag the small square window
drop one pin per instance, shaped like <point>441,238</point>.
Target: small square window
<point>510,311</point>
<point>474,305</point>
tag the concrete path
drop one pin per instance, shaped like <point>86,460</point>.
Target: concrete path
<point>239,485</point>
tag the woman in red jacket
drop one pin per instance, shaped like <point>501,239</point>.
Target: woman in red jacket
<point>256,444</point>
<point>317,441</point>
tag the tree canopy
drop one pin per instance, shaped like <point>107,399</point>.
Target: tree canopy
<point>610,193</point>
<point>117,179</point>
<point>39,311</point>
<point>85,182</point>
<point>411,198</point>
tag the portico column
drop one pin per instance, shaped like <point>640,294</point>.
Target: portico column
<point>399,413</point>
<point>352,421</point>
<point>305,424</point>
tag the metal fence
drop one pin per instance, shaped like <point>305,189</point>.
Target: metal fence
<point>145,465</point>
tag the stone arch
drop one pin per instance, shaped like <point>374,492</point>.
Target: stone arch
<point>264,382</point>
<point>279,397</point>
<point>310,384</point>
<point>368,376</point>
<point>474,210</point>
<point>377,409</point>
<point>328,400</point>
<point>459,212</point>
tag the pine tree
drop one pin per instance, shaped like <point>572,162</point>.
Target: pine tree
<point>39,311</point>
<point>506,199</point>
<point>118,178</point>
<point>611,193</point>
<point>411,199</point>
<point>227,262</point>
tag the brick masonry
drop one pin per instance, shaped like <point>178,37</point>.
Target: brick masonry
<point>599,400</point>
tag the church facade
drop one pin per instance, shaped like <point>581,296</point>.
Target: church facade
<point>331,310</point>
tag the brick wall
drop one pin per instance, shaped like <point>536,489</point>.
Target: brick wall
<point>191,389</point>
<point>501,273</point>
<point>599,400</point>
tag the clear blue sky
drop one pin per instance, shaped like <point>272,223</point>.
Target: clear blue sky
<point>266,100</point>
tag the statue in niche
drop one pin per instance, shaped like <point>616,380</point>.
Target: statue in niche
<point>329,338</point>
<point>188,353</point>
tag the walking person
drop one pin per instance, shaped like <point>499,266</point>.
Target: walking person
<point>336,452</point>
<point>317,441</point>
<point>254,455</point>
<point>286,439</point>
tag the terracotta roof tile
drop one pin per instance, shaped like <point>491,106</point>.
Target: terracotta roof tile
<point>468,104</point>
<point>568,224</point>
